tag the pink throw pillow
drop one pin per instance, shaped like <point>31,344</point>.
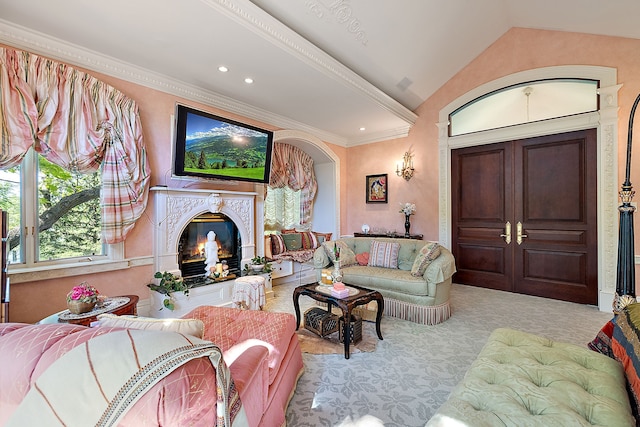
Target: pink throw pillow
<point>363,258</point>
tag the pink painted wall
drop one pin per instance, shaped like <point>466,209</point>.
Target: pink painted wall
<point>517,50</point>
<point>422,189</point>
<point>33,301</point>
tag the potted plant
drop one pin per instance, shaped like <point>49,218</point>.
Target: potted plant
<point>169,283</point>
<point>82,298</point>
<point>258,265</point>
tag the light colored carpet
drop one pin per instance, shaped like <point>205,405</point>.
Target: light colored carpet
<point>413,370</point>
<point>330,344</point>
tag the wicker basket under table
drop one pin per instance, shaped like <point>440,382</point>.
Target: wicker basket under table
<point>355,329</point>
<point>320,321</point>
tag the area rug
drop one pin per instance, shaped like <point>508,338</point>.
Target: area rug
<point>313,344</point>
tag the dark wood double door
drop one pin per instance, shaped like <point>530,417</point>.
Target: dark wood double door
<point>524,216</point>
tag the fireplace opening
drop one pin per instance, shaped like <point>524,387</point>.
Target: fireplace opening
<point>191,259</point>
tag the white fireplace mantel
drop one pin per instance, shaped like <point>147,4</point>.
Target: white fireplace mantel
<point>175,208</point>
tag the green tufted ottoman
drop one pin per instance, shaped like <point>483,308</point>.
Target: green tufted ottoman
<point>520,380</point>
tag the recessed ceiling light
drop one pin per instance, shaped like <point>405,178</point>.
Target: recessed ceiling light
<point>362,128</point>
<point>223,69</point>
<point>248,80</point>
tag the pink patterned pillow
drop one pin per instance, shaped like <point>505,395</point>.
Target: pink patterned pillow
<point>277,244</point>
<point>384,254</point>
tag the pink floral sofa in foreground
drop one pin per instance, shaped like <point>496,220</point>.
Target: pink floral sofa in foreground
<point>260,349</point>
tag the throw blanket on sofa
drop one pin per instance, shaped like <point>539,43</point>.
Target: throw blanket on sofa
<point>96,382</point>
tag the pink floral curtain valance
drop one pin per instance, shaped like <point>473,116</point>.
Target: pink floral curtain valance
<point>291,167</point>
<point>80,123</point>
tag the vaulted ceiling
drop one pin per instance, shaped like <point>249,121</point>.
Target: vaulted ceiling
<point>328,67</point>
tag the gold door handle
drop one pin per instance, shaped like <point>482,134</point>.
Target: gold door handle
<point>519,235</point>
<point>507,232</point>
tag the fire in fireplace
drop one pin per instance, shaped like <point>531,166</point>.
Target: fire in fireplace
<point>191,259</point>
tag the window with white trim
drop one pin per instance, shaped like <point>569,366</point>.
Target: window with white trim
<point>528,102</point>
<point>54,214</point>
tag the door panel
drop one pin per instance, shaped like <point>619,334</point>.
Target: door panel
<point>555,198</point>
<point>479,214</point>
<point>554,266</point>
<point>546,184</point>
<point>482,258</point>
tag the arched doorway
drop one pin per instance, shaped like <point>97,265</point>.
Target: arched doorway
<point>326,214</point>
<point>604,120</point>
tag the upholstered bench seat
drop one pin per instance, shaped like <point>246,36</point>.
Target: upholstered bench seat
<point>520,379</point>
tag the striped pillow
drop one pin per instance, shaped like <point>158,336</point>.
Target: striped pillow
<point>384,254</point>
<point>277,244</point>
<point>309,240</point>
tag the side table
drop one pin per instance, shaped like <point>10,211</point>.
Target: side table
<point>127,309</point>
<point>361,297</point>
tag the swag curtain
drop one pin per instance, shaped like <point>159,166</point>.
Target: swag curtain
<point>291,168</point>
<point>282,208</point>
<point>79,123</point>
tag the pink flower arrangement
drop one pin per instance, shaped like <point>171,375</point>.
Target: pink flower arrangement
<point>84,292</point>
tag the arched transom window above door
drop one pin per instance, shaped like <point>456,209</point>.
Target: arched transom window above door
<point>524,103</point>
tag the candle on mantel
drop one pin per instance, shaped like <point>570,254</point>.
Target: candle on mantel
<point>219,268</point>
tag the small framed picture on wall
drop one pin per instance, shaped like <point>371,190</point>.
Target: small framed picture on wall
<point>377,191</point>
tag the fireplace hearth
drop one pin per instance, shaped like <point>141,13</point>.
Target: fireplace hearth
<point>191,259</point>
<point>185,216</point>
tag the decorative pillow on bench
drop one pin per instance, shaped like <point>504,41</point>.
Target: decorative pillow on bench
<point>277,244</point>
<point>309,240</point>
<point>288,241</point>
<point>300,240</point>
<point>292,241</point>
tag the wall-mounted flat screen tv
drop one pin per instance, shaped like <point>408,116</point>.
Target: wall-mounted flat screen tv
<point>213,147</point>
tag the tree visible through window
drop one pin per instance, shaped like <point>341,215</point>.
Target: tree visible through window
<point>10,202</point>
<point>67,223</point>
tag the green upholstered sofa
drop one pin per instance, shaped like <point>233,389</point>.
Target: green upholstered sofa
<point>423,299</point>
<point>520,379</point>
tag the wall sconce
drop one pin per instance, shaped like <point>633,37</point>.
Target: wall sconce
<point>406,171</point>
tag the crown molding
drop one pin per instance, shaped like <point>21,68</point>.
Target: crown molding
<point>401,132</point>
<point>261,23</point>
<point>252,18</point>
<point>38,43</point>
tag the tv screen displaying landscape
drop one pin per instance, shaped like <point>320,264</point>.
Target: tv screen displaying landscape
<point>209,146</point>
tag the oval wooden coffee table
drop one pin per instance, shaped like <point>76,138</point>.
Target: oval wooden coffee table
<point>322,293</point>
